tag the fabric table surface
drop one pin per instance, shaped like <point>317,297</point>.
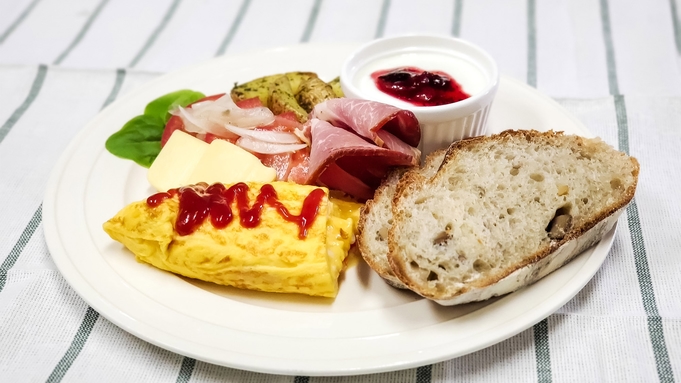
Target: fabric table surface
<point>614,64</point>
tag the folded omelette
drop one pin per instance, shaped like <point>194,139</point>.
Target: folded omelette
<point>275,254</point>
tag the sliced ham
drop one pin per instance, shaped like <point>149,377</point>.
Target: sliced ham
<point>355,166</point>
<point>334,177</point>
<point>368,118</point>
<point>393,143</point>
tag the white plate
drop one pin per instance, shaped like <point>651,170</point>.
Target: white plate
<point>370,327</point>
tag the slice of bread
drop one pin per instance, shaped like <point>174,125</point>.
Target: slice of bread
<point>504,211</point>
<point>377,216</point>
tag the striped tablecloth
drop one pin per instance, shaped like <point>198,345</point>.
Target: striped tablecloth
<point>614,64</point>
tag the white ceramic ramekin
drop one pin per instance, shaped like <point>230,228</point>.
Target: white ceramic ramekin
<point>467,63</point>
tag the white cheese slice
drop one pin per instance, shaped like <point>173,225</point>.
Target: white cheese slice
<point>227,163</point>
<point>176,161</point>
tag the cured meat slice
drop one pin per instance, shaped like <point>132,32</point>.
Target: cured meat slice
<point>355,165</point>
<point>334,177</point>
<point>367,118</point>
<point>393,143</point>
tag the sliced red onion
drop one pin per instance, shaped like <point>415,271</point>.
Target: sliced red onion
<point>265,135</point>
<point>301,136</point>
<point>224,110</point>
<point>193,124</point>
<point>257,146</point>
<point>211,116</point>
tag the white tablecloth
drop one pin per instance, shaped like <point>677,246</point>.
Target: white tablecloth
<point>614,64</point>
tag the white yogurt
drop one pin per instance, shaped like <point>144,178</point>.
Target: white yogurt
<point>469,65</point>
<point>467,73</point>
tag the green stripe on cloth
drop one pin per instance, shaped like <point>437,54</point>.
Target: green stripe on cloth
<point>234,27</point>
<point>311,21</point>
<point>645,282</point>
<point>301,379</point>
<point>32,94</point>
<point>91,315</point>
<point>542,352</point>
<point>20,245</point>
<point>77,344</point>
<point>531,43</point>
<point>655,328</point>
<point>118,82</point>
<point>609,48</point>
<point>154,35</point>
<point>541,330</point>
<point>382,17</point>
<point>456,20</point>
<point>675,24</point>
<point>18,21</point>
<point>424,374</point>
<point>82,32</point>
<point>186,370</point>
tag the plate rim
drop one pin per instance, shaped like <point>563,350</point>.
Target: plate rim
<point>74,278</point>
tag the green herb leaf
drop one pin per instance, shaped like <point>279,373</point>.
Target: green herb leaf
<point>161,106</point>
<point>139,140</point>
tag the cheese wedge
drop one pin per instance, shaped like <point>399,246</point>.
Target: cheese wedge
<point>227,163</point>
<point>177,161</point>
<point>186,160</point>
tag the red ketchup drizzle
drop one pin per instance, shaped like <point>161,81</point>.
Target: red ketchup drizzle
<point>419,87</point>
<point>200,201</point>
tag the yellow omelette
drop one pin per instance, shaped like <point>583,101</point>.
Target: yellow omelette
<point>268,257</point>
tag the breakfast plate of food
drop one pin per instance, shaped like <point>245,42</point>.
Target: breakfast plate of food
<point>224,213</point>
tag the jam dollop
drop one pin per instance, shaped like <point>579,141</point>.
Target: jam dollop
<point>419,87</point>
<point>197,202</point>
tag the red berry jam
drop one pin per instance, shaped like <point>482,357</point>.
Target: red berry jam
<point>419,87</point>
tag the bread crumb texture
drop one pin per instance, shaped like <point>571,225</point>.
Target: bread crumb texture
<point>500,203</point>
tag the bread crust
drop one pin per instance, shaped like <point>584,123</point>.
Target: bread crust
<point>363,243</point>
<point>536,265</point>
<point>378,264</point>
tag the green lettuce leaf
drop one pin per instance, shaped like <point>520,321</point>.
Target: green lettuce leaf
<point>140,138</point>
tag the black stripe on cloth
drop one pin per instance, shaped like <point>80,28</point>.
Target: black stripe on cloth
<point>311,21</point>
<point>655,329</point>
<point>20,245</point>
<point>456,20</point>
<point>32,94</point>
<point>542,352</point>
<point>77,345</point>
<point>154,35</point>
<point>186,370</point>
<point>654,321</point>
<point>531,43</point>
<point>81,33</point>
<point>91,315</point>
<point>234,27</point>
<point>18,21</point>
<point>382,18</point>
<point>301,379</point>
<point>424,374</point>
<point>675,24</point>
